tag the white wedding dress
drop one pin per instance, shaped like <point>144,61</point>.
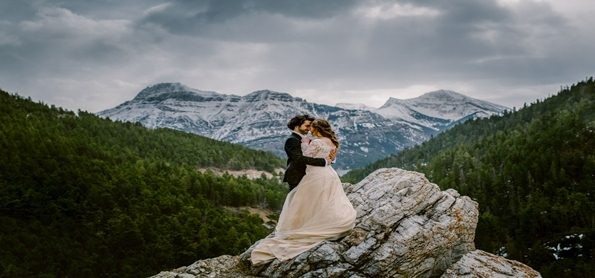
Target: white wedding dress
<point>316,210</point>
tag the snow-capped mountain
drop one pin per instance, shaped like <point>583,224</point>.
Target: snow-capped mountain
<point>438,109</point>
<point>259,120</point>
<point>354,106</point>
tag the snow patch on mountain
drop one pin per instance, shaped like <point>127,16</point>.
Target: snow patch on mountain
<point>354,106</point>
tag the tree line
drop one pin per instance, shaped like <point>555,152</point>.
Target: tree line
<point>85,196</point>
<point>532,172</point>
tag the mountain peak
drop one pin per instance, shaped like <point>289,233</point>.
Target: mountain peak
<point>269,95</point>
<point>170,88</point>
<point>392,101</point>
<point>444,94</point>
<point>441,104</point>
<point>440,95</point>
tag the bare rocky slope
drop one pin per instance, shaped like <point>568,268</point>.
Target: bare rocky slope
<point>406,227</point>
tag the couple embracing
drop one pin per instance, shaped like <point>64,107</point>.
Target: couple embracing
<point>316,208</point>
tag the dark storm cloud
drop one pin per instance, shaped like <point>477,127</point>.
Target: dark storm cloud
<point>263,19</point>
<point>183,13</point>
<point>95,54</point>
<point>15,10</point>
<point>466,34</point>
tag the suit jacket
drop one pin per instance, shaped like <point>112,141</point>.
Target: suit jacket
<point>296,161</point>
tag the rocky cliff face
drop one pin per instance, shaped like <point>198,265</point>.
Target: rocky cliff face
<point>406,227</point>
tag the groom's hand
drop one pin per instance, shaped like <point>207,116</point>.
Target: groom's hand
<point>332,155</point>
<point>306,140</point>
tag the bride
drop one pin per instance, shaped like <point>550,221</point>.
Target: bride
<point>314,211</point>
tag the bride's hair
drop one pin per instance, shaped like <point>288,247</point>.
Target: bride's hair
<point>324,128</point>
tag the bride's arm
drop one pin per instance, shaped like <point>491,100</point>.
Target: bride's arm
<point>318,146</point>
<point>313,148</point>
<point>293,148</point>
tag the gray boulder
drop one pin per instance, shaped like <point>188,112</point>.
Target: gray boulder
<point>479,263</point>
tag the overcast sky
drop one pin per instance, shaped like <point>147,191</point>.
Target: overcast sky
<point>93,55</point>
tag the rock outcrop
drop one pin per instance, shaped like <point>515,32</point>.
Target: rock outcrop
<point>406,227</point>
<point>479,263</point>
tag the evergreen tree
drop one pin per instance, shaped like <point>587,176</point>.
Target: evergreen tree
<point>82,196</point>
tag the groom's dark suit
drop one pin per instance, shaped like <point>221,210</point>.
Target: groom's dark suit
<point>296,161</point>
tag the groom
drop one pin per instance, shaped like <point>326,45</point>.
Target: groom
<point>296,161</point>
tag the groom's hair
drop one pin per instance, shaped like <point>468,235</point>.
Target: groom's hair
<point>298,121</point>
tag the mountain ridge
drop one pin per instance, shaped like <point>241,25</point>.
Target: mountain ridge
<point>164,88</point>
<point>258,120</point>
<point>441,106</point>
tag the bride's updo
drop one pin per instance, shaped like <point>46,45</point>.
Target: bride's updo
<point>324,128</point>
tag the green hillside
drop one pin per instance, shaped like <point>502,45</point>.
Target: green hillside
<point>532,172</point>
<point>82,196</point>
